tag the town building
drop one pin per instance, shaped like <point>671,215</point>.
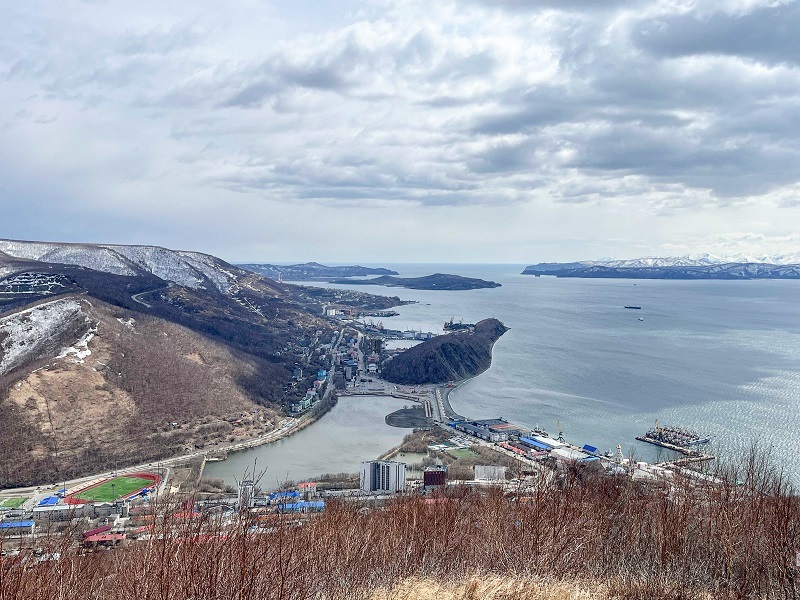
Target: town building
<point>246,494</point>
<point>383,476</point>
<point>434,477</point>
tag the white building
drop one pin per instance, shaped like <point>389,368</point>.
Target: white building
<point>246,494</point>
<point>490,473</point>
<point>383,476</point>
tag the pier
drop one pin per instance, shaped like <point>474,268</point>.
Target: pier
<point>693,454</point>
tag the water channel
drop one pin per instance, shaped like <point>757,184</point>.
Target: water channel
<point>353,431</point>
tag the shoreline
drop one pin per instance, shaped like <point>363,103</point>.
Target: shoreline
<point>287,429</point>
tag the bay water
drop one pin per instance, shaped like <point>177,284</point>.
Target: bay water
<point>720,357</point>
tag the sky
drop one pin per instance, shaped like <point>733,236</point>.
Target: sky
<point>499,131</point>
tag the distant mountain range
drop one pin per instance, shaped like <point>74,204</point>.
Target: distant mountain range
<point>704,266</point>
<point>311,271</point>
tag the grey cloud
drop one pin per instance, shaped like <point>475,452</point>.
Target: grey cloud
<point>504,157</point>
<point>561,5</point>
<point>328,72</point>
<point>668,155</point>
<point>253,95</point>
<point>769,34</point>
<point>157,41</point>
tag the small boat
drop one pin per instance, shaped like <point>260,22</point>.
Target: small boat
<point>633,306</point>
<point>641,319</point>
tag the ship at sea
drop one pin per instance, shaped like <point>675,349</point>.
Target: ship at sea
<point>451,325</point>
<point>676,438</point>
<point>633,306</point>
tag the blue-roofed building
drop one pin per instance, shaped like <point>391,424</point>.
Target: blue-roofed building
<point>535,444</point>
<point>302,506</point>
<point>284,495</point>
<point>49,501</point>
<point>16,527</point>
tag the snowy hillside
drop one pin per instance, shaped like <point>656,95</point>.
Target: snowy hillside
<point>694,260</point>
<point>24,336</point>
<point>92,257</point>
<point>190,269</point>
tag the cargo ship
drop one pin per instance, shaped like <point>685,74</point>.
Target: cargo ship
<point>451,325</point>
<point>633,306</point>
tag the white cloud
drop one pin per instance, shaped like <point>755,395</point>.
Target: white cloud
<point>585,128</point>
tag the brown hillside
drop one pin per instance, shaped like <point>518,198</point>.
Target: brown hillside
<point>63,417</point>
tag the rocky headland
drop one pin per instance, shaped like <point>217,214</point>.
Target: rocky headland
<point>437,281</point>
<point>446,357</point>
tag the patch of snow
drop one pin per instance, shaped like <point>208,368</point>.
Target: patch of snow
<point>697,260</point>
<point>210,267</point>
<point>127,322</point>
<point>79,349</point>
<point>28,331</point>
<point>161,262</point>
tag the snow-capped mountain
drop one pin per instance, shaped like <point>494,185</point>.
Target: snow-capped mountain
<point>696,260</point>
<point>190,269</point>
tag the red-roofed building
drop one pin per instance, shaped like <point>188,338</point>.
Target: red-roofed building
<point>104,539</point>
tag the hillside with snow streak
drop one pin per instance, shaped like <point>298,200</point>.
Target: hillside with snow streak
<point>35,332</point>
<point>189,269</point>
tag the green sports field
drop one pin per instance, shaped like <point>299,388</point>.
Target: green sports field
<point>110,490</point>
<point>461,452</point>
<point>13,502</point>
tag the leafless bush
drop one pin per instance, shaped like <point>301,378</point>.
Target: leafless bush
<point>631,541</point>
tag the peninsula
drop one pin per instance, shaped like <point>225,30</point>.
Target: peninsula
<point>446,357</point>
<point>312,271</point>
<point>681,267</point>
<point>437,281</point>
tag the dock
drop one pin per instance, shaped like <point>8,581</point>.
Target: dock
<point>683,450</point>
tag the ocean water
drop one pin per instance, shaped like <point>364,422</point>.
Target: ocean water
<point>721,357</point>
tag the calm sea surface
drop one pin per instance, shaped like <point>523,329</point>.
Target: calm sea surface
<point>717,356</point>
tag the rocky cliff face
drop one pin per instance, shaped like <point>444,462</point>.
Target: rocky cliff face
<point>447,357</point>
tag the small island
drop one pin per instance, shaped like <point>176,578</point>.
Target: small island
<point>447,357</point>
<point>437,281</point>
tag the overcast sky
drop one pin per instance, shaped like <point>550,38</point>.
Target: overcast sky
<point>383,131</point>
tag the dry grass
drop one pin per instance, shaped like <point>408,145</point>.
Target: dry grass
<point>492,587</point>
<point>591,537</point>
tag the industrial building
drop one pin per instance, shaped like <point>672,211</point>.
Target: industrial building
<point>483,433</point>
<point>383,476</point>
<point>434,477</point>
